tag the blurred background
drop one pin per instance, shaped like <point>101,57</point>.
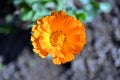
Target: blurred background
<point>99,60</point>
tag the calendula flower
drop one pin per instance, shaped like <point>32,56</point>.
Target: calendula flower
<point>59,35</point>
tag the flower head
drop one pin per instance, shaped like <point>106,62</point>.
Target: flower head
<point>59,35</point>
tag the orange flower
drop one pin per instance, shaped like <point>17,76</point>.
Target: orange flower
<point>59,35</point>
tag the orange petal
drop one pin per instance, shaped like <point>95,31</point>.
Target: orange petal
<point>68,54</point>
<point>42,55</point>
<point>34,44</point>
<point>39,21</point>
<point>32,38</point>
<point>56,60</point>
<point>61,12</point>
<point>53,13</point>
<point>36,34</point>
<point>34,27</point>
<point>60,54</point>
<point>52,52</point>
<point>63,60</point>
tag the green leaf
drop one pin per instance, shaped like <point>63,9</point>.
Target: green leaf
<point>105,7</point>
<point>45,1</point>
<point>26,14</point>
<point>40,13</point>
<point>17,2</point>
<point>88,7</point>
<point>84,2</point>
<point>82,16</point>
<point>5,29</point>
<point>50,5</point>
<point>9,18</point>
<point>95,4</point>
<point>89,18</point>
<point>30,2</point>
<point>70,12</point>
<point>60,5</point>
<point>1,66</point>
<point>36,6</point>
<point>90,15</point>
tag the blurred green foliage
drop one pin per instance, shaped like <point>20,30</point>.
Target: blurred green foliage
<point>5,29</point>
<point>33,9</point>
<point>30,10</point>
<point>1,66</point>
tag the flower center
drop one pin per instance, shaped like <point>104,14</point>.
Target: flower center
<point>57,39</point>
